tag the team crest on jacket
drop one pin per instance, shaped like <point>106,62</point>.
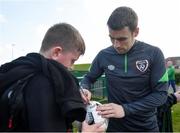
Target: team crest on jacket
<point>142,65</point>
<point>111,67</point>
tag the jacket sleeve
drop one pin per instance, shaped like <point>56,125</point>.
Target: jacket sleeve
<point>158,85</point>
<point>171,100</point>
<point>41,108</point>
<point>43,111</point>
<point>94,73</point>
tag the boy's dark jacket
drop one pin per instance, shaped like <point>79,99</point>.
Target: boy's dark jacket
<point>64,84</point>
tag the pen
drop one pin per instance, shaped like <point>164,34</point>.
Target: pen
<point>81,89</point>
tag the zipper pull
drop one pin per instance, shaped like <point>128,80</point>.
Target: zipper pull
<point>10,122</point>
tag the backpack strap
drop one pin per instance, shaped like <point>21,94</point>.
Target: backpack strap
<point>16,101</point>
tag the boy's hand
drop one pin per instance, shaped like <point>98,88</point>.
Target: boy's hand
<point>95,128</point>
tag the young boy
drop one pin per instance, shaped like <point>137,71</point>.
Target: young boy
<point>52,99</point>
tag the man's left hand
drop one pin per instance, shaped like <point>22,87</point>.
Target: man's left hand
<point>111,110</point>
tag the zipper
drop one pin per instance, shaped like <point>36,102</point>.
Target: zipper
<point>125,63</point>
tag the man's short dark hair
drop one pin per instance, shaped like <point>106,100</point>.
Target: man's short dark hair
<point>65,36</point>
<point>122,17</point>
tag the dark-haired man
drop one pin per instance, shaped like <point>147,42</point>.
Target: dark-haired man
<point>136,76</point>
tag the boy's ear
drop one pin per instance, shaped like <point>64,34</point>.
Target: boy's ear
<point>136,32</point>
<point>56,52</point>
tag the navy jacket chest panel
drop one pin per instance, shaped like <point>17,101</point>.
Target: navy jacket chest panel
<point>136,66</point>
<point>133,79</point>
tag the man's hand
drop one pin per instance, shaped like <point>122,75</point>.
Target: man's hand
<point>177,94</point>
<point>95,128</point>
<point>86,95</point>
<point>111,110</point>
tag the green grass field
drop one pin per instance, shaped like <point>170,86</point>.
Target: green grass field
<point>176,117</point>
<point>81,67</point>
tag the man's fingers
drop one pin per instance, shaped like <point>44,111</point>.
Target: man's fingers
<point>86,95</point>
<point>111,110</point>
<point>104,107</point>
<point>107,114</point>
